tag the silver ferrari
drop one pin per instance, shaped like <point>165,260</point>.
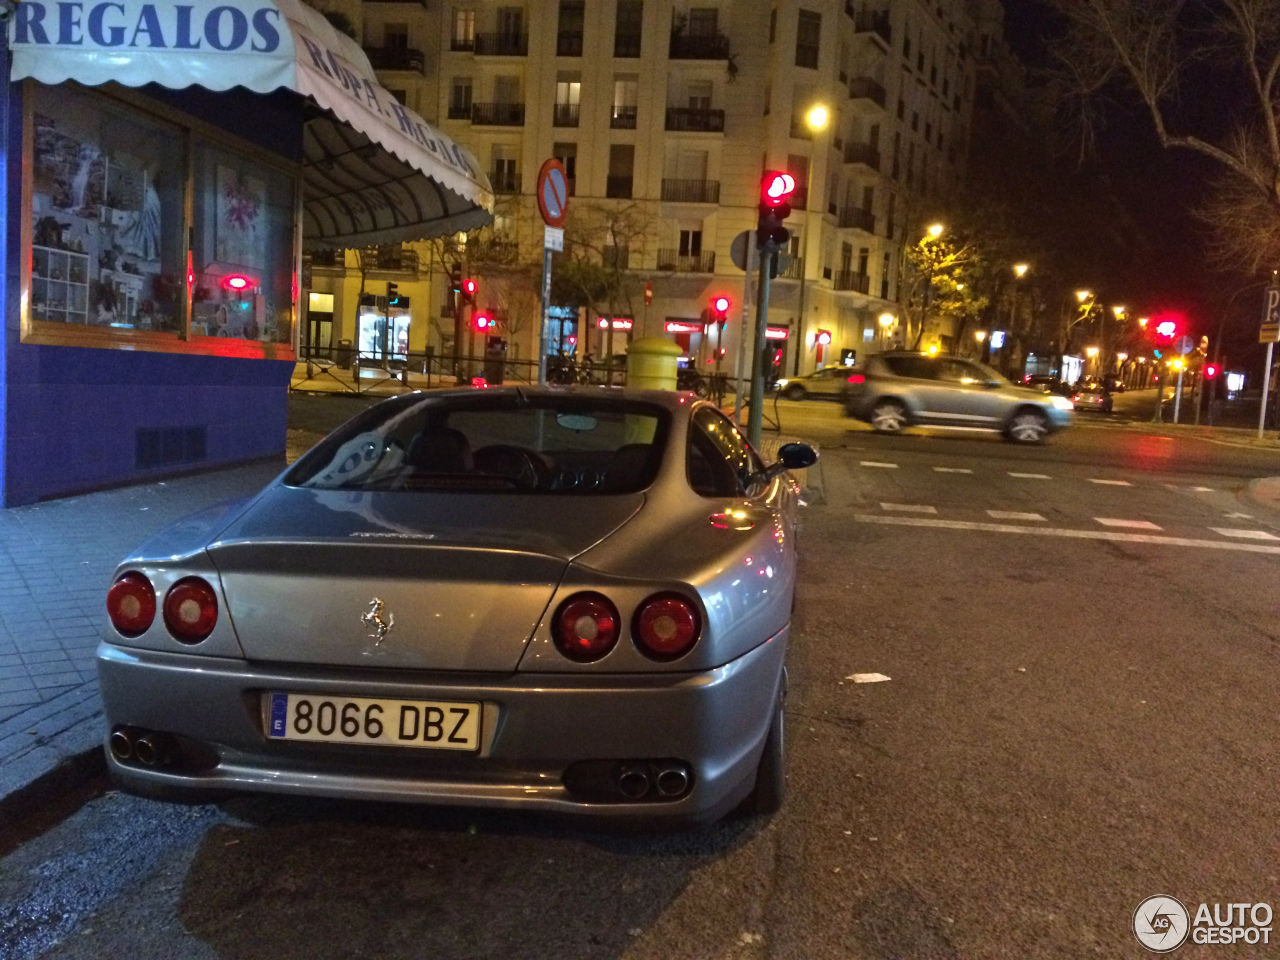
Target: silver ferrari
<point>551,599</point>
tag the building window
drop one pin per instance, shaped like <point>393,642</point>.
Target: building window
<point>460,98</point>
<point>891,215</point>
<point>699,94</point>
<point>622,158</point>
<point>773,24</point>
<point>864,254</point>
<point>395,36</point>
<point>625,91</point>
<point>505,175</point>
<point>691,243</point>
<point>567,154</point>
<point>884,278</point>
<point>704,22</point>
<point>902,108</point>
<point>568,97</point>
<point>808,37</point>
<point>569,31</point>
<point>627,29</point>
<point>464,29</point>
<point>402,96</point>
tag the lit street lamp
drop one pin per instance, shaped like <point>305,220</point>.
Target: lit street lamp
<point>817,117</point>
<point>935,230</point>
<point>1021,269</point>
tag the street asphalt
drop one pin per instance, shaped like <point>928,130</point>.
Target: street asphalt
<point>1081,655</point>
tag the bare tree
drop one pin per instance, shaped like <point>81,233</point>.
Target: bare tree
<point>1156,48</point>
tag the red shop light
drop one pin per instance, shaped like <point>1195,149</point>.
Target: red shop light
<point>237,282</point>
<point>684,326</point>
<point>619,323</point>
<point>777,333</point>
<point>824,337</point>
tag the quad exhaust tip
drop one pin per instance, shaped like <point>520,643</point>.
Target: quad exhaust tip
<point>672,781</point>
<point>121,742</point>
<point>633,782</point>
<point>145,747</point>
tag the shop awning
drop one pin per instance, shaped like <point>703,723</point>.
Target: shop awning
<point>374,171</point>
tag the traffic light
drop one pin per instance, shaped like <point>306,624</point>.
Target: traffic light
<point>395,298</point>
<point>1167,329</point>
<point>469,288</point>
<point>719,310</point>
<point>1210,371</point>
<point>483,323</point>
<point>776,188</point>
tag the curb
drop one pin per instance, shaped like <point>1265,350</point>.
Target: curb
<point>48,751</point>
<point>1265,492</point>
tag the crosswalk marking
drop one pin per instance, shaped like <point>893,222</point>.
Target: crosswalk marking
<point>1015,515</point>
<point>1112,535</point>
<point>1031,476</point>
<point>883,466</point>
<point>1111,483</point>
<point>1237,516</point>
<point>1203,489</point>
<point>1134,524</point>
<point>951,470</point>
<point>1244,534</point>
<point>907,508</point>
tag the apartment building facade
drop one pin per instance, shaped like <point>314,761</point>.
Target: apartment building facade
<point>671,111</point>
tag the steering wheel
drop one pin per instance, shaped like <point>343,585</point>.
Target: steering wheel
<point>528,470</point>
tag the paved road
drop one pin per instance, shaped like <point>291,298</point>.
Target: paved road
<point>1083,657</point>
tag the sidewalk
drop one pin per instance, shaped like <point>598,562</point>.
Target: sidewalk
<point>56,561</point>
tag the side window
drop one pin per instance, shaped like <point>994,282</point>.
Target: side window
<point>956,371</point>
<point>719,460</point>
<point>917,368</point>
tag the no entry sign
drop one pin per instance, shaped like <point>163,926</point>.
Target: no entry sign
<point>553,193</point>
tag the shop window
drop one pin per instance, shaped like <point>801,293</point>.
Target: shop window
<point>106,215</point>
<point>243,246</point>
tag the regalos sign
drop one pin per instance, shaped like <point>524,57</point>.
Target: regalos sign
<point>147,26</point>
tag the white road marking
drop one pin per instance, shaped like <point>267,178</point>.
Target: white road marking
<point>1134,524</point>
<point>1244,534</point>
<point>1015,515</point>
<point>1203,489</point>
<point>867,677</point>
<point>950,470</point>
<point>907,508</point>
<point>1237,516</point>
<point>1065,533</point>
<point>883,466</point>
<point>1111,483</point>
<point>1031,476</point>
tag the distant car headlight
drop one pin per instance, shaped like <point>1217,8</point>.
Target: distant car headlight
<point>783,382</point>
<point>1062,403</point>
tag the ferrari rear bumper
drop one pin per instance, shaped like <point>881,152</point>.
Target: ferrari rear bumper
<point>534,728</point>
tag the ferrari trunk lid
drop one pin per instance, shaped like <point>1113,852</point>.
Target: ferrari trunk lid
<point>402,580</point>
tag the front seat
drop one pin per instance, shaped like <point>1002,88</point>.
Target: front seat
<point>440,450</point>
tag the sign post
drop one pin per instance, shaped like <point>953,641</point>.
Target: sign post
<point>1268,334</point>
<point>553,204</point>
<point>749,260</point>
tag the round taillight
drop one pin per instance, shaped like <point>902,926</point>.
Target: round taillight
<point>667,626</point>
<point>190,609</point>
<point>131,604</point>
<point>586,627</point>
<point>857,378</point>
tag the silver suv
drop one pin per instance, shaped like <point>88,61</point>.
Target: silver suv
<point>896,390</point>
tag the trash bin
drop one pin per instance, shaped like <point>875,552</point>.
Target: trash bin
<point>495,358</point>
<point>651,364</point>
<point>345,354</point>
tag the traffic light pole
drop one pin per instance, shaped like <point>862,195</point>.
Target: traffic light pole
<point>739,366</point>
<point>755,415</point>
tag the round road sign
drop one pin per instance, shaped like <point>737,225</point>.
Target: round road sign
<point>553,193</point>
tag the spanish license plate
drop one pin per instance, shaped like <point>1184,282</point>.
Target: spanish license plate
<point>437,724</point>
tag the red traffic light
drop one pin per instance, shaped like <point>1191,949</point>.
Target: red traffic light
<point>1166,328</point>
<point>482,322</point>
<point>469,287</point>
<point>1210,371</point>
<point>776,188</point>
<point>721,304</point>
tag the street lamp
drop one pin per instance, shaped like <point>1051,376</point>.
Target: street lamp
<point>887,320</point>
<point>979,335</point>
<point>1118,311</point>
<point>817,117</point>
<point>1083,295</point>
<point>1091,352</point>
<point>935,230</point>
<point>1020,269</point>
<point>1122,357</point>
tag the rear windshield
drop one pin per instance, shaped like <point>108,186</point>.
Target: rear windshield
<point>570,446</point>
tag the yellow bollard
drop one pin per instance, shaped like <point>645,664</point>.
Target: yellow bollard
<point>651,364</point>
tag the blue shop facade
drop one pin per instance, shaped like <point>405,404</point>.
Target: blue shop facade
<point>166,167</point>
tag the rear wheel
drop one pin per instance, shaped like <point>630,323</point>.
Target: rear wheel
<point>771,775</point>
<point>794,392</point>
<point>889,416</point>
<point>1028,426</point>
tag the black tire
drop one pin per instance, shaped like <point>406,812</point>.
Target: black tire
<point>701,389</point>
<point>794,392</point>
<point>889,416</point>
<point>1027,426</point>
<point>771,776</point>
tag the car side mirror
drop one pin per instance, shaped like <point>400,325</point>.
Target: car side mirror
<point>791,456</point>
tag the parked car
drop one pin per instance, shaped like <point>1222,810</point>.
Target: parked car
<point>529,598</point>
<point>1093,398</point>
<point>896,390</point>
<point>1049,383</point>
<point>825,384</point>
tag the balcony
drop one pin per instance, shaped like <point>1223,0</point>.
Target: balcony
<point>502,44</point>
<point>862,153</point>
<point>856,218</point>
<point>498,114</point>
<point>504,182</point>
<point>695,120</point>
<point>565,114</point>
<point>498,250</point>
<point>711,46</point>
<point>415,3</point>
<point>618,188</point>
<point>459,111</point>
<point>848,280</point>
<point>626,45</point>
<point>624,118</point>
<point>326,260</point>
<point>396,58</point>
<point>678,262</point>
<point>462,44</point>
<point>871,22</point>
<point>616,258</point>
<point>794,269</point>
<point>864,88</point>
<point>569,44</point>
<point>392,258</point>
<point>691,191</point>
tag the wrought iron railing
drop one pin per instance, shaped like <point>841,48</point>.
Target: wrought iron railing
<point>502,44</point>
<point>711,46</point>
<point>691,191</point>
<point>679,262</point>
<point>695,119</point>
<point>498,114</point>
<point>396,58</point>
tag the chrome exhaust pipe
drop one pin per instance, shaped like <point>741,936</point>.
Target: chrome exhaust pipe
<point>121,743</point>
<point>633,782</point>
<point>673,780</point>
<point>149,749</point>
